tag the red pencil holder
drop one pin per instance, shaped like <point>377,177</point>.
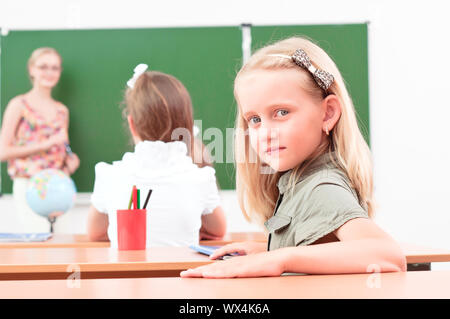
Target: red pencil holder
<point>132,229</point>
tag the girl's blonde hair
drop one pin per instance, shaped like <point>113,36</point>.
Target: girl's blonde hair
<point>161,106</point>
<point>36,54</point>
<point>257,192</point>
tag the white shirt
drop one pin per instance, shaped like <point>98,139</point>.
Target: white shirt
<point>182,191</point>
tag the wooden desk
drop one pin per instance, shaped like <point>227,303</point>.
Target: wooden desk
<point>82,241</point>
<point>96,260</point>
<point>420,257</point>
<point>422,254</point>
<point>414,253</point>
<point>103,262</point>
<point>416,284</point>
<point>60,263</point>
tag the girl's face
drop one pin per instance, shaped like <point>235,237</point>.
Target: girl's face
<point>46,71</point>
<point>285,123</point>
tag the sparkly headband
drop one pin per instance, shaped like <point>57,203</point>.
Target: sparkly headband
<point>322,78</point>
<point>138,71</point>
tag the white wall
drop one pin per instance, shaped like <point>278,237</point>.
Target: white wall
<point>409,71</point>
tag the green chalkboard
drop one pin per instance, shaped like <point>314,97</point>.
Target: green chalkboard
<point>346,44</point>
<point>97,64</point>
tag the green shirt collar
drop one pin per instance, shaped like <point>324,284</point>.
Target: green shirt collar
<point>321,162</point>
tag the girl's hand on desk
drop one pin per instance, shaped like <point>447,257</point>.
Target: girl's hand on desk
<point>255,265</point>
<point>242,248</point>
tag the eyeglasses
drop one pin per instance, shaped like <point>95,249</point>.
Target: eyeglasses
<point>46,67</point>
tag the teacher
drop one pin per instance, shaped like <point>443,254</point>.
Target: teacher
<point>34,134</point>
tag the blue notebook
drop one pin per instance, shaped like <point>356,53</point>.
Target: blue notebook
<point>24,237</point>
<point>208,250</point>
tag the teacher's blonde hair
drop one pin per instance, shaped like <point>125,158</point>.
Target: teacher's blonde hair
<point>257,192</point>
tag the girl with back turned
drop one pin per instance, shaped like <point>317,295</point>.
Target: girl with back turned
<point>185,202</point>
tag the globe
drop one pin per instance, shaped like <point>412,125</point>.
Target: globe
<point>50,191</point>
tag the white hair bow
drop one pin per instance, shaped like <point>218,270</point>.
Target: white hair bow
<point>138,70</point>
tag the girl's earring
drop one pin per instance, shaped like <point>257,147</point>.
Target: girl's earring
<point>326,130</point>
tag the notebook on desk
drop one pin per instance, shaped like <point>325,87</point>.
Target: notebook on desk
<point>208,250</point>
<point>24,237</point>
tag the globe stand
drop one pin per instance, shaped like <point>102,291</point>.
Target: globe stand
<point>52,220</point>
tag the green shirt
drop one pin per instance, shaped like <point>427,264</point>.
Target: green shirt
<point>321,201</point>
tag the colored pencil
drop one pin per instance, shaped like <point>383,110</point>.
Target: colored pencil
<point>146,200</point>
<point>138,199</point>
<point>134,197</point>
<point>131,200</point>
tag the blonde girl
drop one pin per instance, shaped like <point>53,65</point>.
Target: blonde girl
<point>304,170</point>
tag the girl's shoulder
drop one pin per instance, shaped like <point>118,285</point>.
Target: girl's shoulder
<point>61,108</point>
<point>332,175</point>
<point>323,192</point>
<point>332,182</point>
<point>329,178</point>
